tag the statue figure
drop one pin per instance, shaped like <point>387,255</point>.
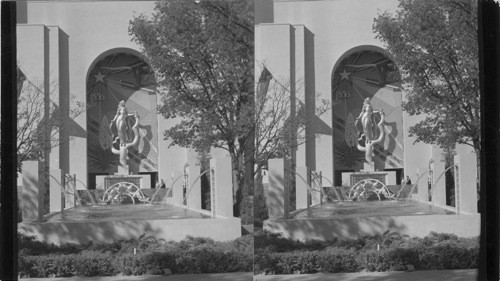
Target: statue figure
<point>124,128</point>
<point>367,123</point>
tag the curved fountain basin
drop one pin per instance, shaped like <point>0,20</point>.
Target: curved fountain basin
<point>356,209</point>
<point>125,212</point>
<point>354,219</point>
<point>108,223</point>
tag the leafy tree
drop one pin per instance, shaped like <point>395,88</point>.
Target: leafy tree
<point>435,45</point>
<point>202,54</point>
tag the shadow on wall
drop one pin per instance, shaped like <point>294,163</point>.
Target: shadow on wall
<point>275,198</point>
<point>29,198</point>
<point>325,229</point>
<point>99,232</point>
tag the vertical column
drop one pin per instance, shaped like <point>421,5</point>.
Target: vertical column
<point>53,96</point>
<point>177,188</point>
<point>298,59</point>
<point>301,187</point>
<point>439,186</point>
<point>55,185</point>
<point>278,199</point>
<point>320,186</point>
<point>466,182</point>
<point>222,184</point>
<point>213,191</point>
<point>30,197</point>
<point>194,196</point>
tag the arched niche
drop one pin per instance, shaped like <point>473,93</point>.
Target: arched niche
<point>116,75</point>
<point>366,72</point>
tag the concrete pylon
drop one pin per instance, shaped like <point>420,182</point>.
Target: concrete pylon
<point>465,180</point>
<point>278,198</point>
<point>221,187</point>
<point>56,185</point>
<point>302,181</point>
<point>32,195</point>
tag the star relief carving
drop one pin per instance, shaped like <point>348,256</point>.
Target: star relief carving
<point>344,74</point>
<point>99,77</point>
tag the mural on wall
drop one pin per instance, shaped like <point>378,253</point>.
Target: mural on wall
<point>117,77</point>
<point>366,74</point>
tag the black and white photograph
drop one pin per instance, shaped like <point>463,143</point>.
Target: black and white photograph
<point>133,133</point>
<point>369,140</point>
<point>265,140</point>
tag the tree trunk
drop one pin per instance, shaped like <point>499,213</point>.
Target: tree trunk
<point>238,182</point>
<point>241,184</point>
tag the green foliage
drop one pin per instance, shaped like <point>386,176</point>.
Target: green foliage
<point>265,262</point>
<point>297,262</point>
<point>246,210</point>
<point>330,260</point>
<point>89,264</point>
<point>154,263</point>
<point>153,257</point>
<point>334,259</point>
<point>435,45</point>
<point>45,266</point>
<point>208,259</point>
<point>390,259</point>
<point>261,212</point>
<point>29,246</point>
<point>389,252</point>
<point>202,53</point>
<point>450,254</point>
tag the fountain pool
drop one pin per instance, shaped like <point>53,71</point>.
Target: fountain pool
<point>108,223</point>
<point>354,219</point>
<point>357,209</point>
<point>125,212</point>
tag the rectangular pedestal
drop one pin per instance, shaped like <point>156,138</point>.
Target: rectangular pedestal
<point>368,167</point>
<point>356,177</point>
<point>141,181</point>
<point>122,171</point>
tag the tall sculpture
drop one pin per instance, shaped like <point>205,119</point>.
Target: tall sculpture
<point>124,127</point>
<point>366,121</point>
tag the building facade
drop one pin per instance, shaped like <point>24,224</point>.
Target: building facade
<point>81,55</point>
<point>327,50</point>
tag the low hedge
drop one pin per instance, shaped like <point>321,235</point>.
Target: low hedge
<point>331,260</point>
<point>152,257</point>
<point>85,264</point>
<point>88,264</point>
<point>389,252</point>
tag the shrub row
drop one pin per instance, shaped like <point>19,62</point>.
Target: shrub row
<point>330,260</point>
<point>191,255</point>
<point>29,246</point>
<point>84,264</point>
<point>387,253</point>
<point>90,263</point>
